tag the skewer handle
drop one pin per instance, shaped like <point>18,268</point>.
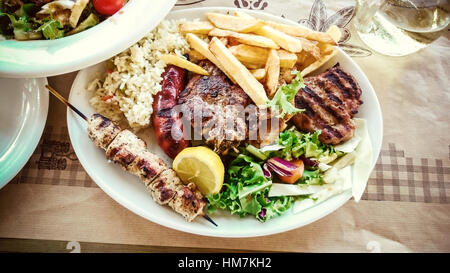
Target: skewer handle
<point>61,98</point>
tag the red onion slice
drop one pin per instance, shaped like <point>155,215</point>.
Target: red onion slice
<point>282,164</point>
<point>278,170</point>
<point>266,171</point>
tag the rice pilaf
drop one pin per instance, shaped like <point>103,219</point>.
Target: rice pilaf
<point>134,78</point>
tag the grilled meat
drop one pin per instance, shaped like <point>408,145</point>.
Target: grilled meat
<point>126,149</point>
<point>214,107</point>
<point>102,131</point>
<point>330,100</point>
<point>167,123</point>
<point>167,189</point>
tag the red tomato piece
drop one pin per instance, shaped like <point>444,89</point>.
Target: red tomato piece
<point>108,7</point>
<point>296,174</point>
<point>105,98</point>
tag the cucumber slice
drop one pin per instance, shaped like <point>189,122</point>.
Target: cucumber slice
<point>90,21</point>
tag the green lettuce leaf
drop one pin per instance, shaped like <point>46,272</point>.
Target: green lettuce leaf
<point>52,29</point>
<point>312,177</point>
<point>250,205</point>
<point>298,144</point>
<point>282,101</point>
<point>246,190</point>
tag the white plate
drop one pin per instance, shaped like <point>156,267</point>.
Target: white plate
<point>129,191</point>
<point>23,113</point>
<point>44,58</point>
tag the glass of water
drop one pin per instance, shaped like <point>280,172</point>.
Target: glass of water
<point>401,27</point>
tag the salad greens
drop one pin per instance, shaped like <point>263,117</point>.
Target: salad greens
<point>52,29</point>
<point>246,188</point>
<point>298,144</point>
<point>312,177</point>
<point>293,144</point>
<point>20,23</point>
<point>246,191</point>
<point>24,21</point>
<point>281,101</point>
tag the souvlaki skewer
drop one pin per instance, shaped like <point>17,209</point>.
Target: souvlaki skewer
<point>130,152</point>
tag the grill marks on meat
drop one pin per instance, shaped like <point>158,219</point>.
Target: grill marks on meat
<point>102,130</point>
<point>147,166</point>
<point>166,121</point>
<point>167,187</point>
<point>126,149</point>
<point>130,152</point>
<point>330,101</point>
<point>214,107</point>
<point>346,83</point>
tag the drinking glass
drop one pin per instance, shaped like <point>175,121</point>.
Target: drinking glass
<point>401,27</point>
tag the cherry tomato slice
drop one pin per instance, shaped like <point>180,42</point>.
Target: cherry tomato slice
<point>296,174</point>
<point>108,7</point>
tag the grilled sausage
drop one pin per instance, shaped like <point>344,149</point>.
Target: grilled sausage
<point>166,121</point>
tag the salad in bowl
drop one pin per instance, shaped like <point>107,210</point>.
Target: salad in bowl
<point>52,19</point>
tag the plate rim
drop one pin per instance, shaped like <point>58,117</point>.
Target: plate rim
<point>12,70</point>
<point>41,118</point>
<point>135,209</point>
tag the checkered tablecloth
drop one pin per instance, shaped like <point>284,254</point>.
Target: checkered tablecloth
<point>411,176</point>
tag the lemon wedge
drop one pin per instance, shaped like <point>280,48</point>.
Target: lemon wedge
<point>201,166</point>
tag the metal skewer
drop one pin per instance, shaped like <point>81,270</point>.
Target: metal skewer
<point>62,99</point>
<point>209,219</point>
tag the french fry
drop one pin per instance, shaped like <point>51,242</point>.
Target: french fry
<point>310,47</point>
<point>317,64</point>
<point>257,55</point>
<point>202,27</point>
<point>272,72</point>
<point>183,63</point>
<point>195,56</point>
<point>250,54</point>
<point>253,66</point>
<point>239,13</point>
<point>259,73</point>
<point>234,23</point>
<point>232,41</point>
<point>335,33</point>
<point>203,48</point>
<point>305,59</point>
<point>282,39</point>
<point>304,32</point>
<point>325,48</point>
<point>287,59</point>
<point>224,40</point>
<point>286,75</point>
<point>245,79</point>
<point>249,39</point>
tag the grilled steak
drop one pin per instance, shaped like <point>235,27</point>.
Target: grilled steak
<point>330,100</point>
<point>214,106</point>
